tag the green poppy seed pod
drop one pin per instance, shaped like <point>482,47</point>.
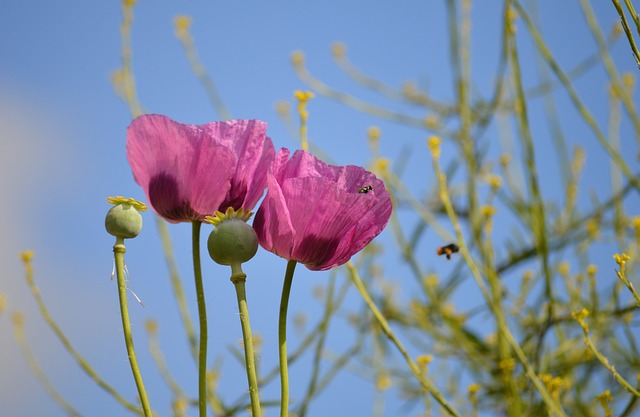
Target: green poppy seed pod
<point>124,221</point>
<point>232,242</point>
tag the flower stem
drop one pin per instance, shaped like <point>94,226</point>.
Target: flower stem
<point>202,314</point>
<point>282,339</point>
<point>118,252</point>
<point>384,325</point>
<point>238,278</point>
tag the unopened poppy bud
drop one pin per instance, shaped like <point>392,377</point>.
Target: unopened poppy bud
<point>124,219</point>
<point>232,242</point>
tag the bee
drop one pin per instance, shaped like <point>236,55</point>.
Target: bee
<point>365,189</point>
<point>448,250</point>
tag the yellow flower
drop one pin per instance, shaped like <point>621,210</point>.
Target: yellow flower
<point>494,181</point>
<point>487,211</point>
<point>297,58</point>
<point>26,256</point>
<point>338,49</point>
<point>431,122</point>
<point>434,146</point>
<point>373,133</point>
<point>383,381</point>
<point>563,269</point>
<point>182,23</point>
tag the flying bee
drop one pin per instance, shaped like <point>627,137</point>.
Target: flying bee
<point>365,189</point>
<point>448,250</point>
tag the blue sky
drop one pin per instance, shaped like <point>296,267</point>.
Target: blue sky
<point>62,132</point>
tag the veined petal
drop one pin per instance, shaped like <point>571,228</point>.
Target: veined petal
<point>183,171</point>
<point>329,214</point>
<point>253,152</point>
<point>272,222</point>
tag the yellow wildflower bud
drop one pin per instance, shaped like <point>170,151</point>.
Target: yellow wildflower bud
<point>151,326</point>
<point>303,96</point>
<point>383,381</point>
<point>374,133</point>
<point>505,158</point>
<point>297,58</point>
<point>621,259</point>
<point>318,292</point>
<point>512,15</point>
<point>423,361</point>
<point>338,49</point>
<point>473,388</point>
<point>494,181</point>
<point>17,319</point>
<point>431,122</point>
<point>381,165</point>
<point>26,256</point>
<point>580,316</point>
<point>408,89</point>
<point>431,281</point>
<point>592,269</point>
<point>282,108</point>
<point>488,211</point>
<point>182,23</point>
<point>180,406</point>
<point>593,228</point>
<point>434,146</point>
<point>563,269</point>
<point>507,365</point>
<point>628,81</point>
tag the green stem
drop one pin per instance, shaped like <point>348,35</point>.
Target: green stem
<point>202,314</point>
<point>118,252</point>
<point>82,362</point>
<point>238,278</point>
<point>384,325</point>
<point>282,339</point>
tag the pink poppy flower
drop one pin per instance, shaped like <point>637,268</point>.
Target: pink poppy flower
<point>190,171</point>
<point>317,214</point>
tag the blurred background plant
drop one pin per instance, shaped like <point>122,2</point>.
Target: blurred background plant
<point>510,130</point>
